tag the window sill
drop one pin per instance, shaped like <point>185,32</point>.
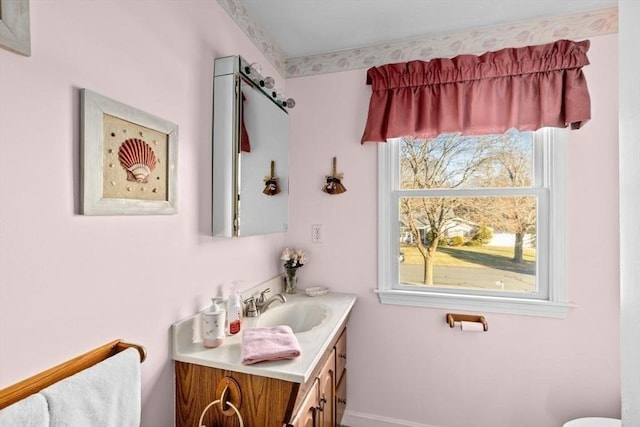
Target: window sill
<point>502,305</point>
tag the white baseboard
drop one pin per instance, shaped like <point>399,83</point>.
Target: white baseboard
<point>360,419</point>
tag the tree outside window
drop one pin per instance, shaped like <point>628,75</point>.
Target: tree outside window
<point>467,216</point>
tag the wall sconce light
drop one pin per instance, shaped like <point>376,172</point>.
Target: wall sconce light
<point>254,72</point>
<point>268,82</point>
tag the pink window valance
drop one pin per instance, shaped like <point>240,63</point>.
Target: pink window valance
<point>525,88</point>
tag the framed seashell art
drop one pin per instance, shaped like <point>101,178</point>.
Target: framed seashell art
<point>128,159</point>
<point>15,32</point>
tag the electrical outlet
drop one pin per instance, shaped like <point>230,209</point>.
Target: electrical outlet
<point>316,233</point>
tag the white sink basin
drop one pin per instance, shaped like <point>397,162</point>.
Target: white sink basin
<point>299,316</point>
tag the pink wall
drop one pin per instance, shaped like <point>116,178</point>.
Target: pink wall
<point>404,362</point>
<point>69,283</point>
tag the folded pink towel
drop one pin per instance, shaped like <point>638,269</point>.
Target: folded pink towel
<point>262,344</point>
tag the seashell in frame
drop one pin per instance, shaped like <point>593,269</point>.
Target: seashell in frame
<point>137,158</point>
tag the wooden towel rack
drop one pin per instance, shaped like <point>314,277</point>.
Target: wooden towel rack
<point>34,384</point>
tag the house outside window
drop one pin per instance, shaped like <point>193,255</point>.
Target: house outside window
<point>474,222</point>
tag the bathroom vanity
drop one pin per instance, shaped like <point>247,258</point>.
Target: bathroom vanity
<point>307,391</point>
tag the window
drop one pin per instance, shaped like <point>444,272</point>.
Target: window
<point>474,222</point>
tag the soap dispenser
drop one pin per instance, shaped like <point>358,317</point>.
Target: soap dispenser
<point>213,321</point>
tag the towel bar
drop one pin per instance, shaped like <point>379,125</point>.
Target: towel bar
<point>121,345</point>
<point>34,384</point>
<point>452,318</point>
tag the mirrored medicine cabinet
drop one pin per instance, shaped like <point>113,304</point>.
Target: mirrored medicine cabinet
<point>250,154</point>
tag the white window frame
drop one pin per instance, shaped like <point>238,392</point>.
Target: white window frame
<point>555,301</point>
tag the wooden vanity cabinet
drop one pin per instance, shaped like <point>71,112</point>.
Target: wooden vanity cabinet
<point>265,402</point>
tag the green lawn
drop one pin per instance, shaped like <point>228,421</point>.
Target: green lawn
<point>500,257</point>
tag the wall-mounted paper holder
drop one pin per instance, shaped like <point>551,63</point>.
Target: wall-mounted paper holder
<point>452,318</point>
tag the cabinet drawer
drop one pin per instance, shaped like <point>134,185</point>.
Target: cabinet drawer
<point>341,354</point>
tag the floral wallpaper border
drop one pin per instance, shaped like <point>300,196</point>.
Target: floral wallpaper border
<point>477,41</point>
<point>256,34</point>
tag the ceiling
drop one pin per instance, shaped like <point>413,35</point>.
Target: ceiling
<point>308,27</point>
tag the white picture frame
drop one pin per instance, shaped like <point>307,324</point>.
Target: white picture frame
<point>107,188</point>
<point>15,32</point>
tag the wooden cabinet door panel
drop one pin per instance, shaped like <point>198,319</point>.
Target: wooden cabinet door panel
<point>327,393</point>
<point>341,354</point>
<point>306,415</point>
<point>341,398</point>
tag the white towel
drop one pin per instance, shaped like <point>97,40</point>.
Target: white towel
<point>104,395</point>
<point>29,412</point>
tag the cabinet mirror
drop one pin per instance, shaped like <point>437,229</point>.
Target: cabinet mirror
<point>250,154</point>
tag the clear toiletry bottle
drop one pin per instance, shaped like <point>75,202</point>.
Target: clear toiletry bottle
<point>213,322</point>
<point>234,309</point>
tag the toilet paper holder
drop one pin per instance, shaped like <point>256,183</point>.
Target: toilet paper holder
<point>452,318</point>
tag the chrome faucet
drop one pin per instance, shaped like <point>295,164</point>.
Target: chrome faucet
<point>256,305</point>
<point>250,309</point>
<point>262,303</point>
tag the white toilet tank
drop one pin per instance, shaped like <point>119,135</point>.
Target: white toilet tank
<point>593,422</point>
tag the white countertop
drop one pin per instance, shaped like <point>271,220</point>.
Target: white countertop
<point>187,342</point>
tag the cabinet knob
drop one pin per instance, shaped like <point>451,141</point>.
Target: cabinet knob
<point>342,401</point>
<point>323,401</point>
<point>343,356</point>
